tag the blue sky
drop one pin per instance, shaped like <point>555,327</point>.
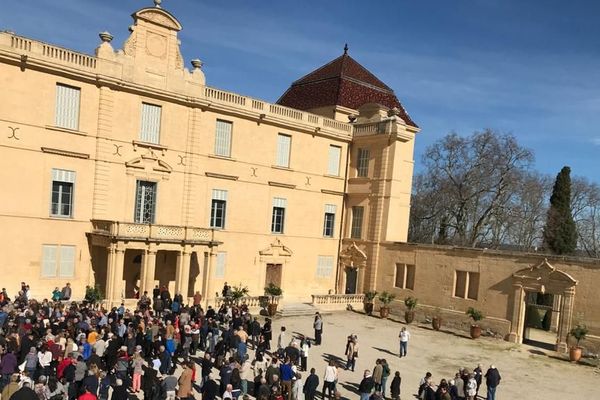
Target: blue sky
<point>531,68</point>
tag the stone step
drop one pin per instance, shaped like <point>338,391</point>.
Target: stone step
<point>296,310</point>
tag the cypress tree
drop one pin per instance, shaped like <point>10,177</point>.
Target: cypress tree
<point>560,232</point>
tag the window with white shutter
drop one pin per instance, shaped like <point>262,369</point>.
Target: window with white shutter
<point>67,262</point>
<point>49,256</point>
<point>218,208</point>
<point>329,222</point>
<point>67,107</point>
<point>284,143</point>
<point>221,263</point>
<point>58,261</point>
<point>333,166</point>
<point>278,218</point>
<point>61,202</point>
<point>324,266</point>
<point>150,123</point>
<point>223,138</point>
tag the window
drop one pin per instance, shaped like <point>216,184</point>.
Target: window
<point>58,261</point>
<point>357,218</point>
<point>221,262</point>
<point>67,107</point>
<point>61,204</point>
<point>278,219</point>
<point>145,202</point>
<point>329,223</point>
<point>362,166</point>
<point>284,143</point>
<point>218,208</point>
<point>333,166</point>
<point>324,266</point>
<point>405,276</point>
<point>466,284</point>
<point>223,138</point>
<point>150,124</point>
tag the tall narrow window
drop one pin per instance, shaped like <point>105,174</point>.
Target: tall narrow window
<point>278,219</point>
<point>329,223</point>
<point>405,276</point>
<point>218,208</point>
<point>362,165</point>
<point>61,204</point>
<point>67,106</point>
<point>145,202</point>
<point>150,123</point>
<point>223,138</point>
<point>284,143</point>
<point>220,264</point>
<point>58,261</point>
<point>466,284</point>
<point>357,220</point>
<point>333,165</point>
<point>324,266</point>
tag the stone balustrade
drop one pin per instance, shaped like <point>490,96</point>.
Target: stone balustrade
<point>337,301</point>
<point>253,302</point>
<point>152,232</point>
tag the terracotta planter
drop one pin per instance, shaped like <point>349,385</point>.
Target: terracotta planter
<point>409,316</point>
<point>575,354</point>
<point>272,309</point>
<point>368,308</point>
<point>384,312</point>
<point>475,331</point>
<point>436,323</point>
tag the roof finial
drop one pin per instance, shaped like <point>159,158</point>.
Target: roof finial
<point>157,3</point>
<point>346,48</point>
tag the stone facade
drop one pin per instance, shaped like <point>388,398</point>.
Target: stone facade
<point>125,170</point>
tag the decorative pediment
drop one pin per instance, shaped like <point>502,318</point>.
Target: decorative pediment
<point>543,277</point>
<point>275,250</point>
<point>353,256</point>
<point>149,162</point>
<point>158,16</point>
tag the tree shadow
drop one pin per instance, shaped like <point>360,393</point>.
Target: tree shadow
<point>351,387</point>
<point>330,357</point>
<point>385,351</point>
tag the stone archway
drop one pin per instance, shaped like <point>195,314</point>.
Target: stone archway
<point>543,278</point>
<point>352,263</point>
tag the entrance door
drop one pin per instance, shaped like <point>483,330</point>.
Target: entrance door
<point>539,315</point>
<point>351,278</point>
<point>273,275</point>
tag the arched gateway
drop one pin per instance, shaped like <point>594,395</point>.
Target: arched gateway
<point>545,279</point>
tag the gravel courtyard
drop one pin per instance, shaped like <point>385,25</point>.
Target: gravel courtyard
<point>525,374</point>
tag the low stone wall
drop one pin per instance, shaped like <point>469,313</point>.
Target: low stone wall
<point>338,302</point>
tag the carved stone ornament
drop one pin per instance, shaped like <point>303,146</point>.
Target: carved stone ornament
<point>156,45</point>
<point>353,256</point>
<point>130,44</point>
<point>149,162</point>
<point>159,17</point>
<point>544,278</point>
<point>275,250</point>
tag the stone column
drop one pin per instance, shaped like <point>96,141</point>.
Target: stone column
<point>565,320</point>
<point>110,272</point>
<point>148,271</point>
<point>516,328</point>
<point>208,288</point>
<point>555,320</point>
<point>182,273</point>
<point>117,279</point>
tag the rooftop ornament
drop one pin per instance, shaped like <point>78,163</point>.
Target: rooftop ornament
<point>157,3</point>
<point>106,37</point>
<point>346,48</point>
<point>196,63</point>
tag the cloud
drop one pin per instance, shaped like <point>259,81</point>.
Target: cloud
<point>595,141</point>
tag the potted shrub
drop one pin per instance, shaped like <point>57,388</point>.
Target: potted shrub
<point>476,316</point>
<point>411,304</point>
<point>368,303</point>
<point>272,291</point>
<point>93,295</point>
<point>579,333</point>
<point>385,298</point>
<point>436,320</point>
<point>237,293</point>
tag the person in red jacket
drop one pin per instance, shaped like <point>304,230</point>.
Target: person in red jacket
<point>87,395</point>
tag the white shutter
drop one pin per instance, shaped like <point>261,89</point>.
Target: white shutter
<point>67,262</point>
<point>150,123</point>
<point>67,107</point>
<point>324,266</point>
<point>219,194</point>
<point>283,150</point>
<point>279,202</point>
<point>330,208</point>
<point>223,138</point>
<point>49,261</point>
<point>220,267</point>
<point>333,167</point>
<point>61,175</point>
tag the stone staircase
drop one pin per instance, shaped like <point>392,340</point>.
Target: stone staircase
<point>298,309</point>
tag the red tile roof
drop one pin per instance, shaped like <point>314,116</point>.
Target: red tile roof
<point>341,82</point>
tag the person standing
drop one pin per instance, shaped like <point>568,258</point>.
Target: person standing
<point>404,337</point>
<point>384,375</point>
<point>478,372</point>
<point>304,348</point>
<point>329,379</point>
<point>297,387</point>
<point>318,327</point>
<point>492,380</point>
<point>366,386</point>
<point>267,333</point>
<point>311,385</point>
<point>471,388</point>
<point>351,352</point>
<point>185,383</point>
<point>377,374</point>
<point>395,386</point>
<point>66,292</point>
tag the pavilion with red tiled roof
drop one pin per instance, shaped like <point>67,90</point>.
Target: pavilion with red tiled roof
<point>341,82</point>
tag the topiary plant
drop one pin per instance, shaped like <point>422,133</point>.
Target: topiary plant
<point>370,296</point>
<point>579,333</point>
<point>386,298</point>
<point>411,303</point>
<point>475,314</point>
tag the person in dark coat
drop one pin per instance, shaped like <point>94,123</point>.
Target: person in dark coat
<point>310,385</point>
<point>210,389</point>
<point>492,380</point>
<point>25,393</point>
<point>395,386</point>
<point>119,391</point>
<point>267,333</point>
<point>149,381</point>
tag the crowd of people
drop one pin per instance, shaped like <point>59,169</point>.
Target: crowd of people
<point>57,349</point>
